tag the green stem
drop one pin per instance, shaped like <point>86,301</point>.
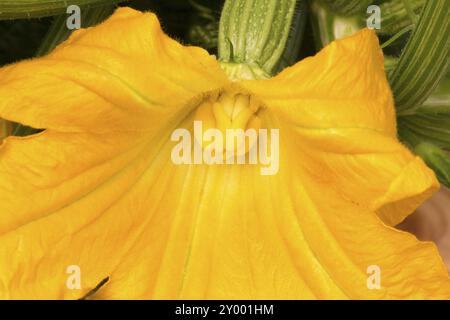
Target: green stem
<point>91,293</point>
<point>291,51</point>
<point>255,33</point>
<point>431,121</point>
<point>425,60</point>
<point>398,35</point>
<point>395,16</point>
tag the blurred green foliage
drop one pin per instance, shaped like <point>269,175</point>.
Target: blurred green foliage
<point>21,38</point>
<point>192,22</point>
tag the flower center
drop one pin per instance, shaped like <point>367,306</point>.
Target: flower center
<point>229,111</point>
<point>233,115</point>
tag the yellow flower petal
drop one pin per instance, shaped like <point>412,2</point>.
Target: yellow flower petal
<point>341,105</point>
<point>98,188</point>
<point>123,75</point>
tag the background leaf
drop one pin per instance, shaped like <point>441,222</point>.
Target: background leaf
<point>19,9</point>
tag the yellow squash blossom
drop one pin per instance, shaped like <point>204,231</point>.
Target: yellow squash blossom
<point>98,188</point>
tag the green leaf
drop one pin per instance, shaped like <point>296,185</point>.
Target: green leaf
<point>19,9</point>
